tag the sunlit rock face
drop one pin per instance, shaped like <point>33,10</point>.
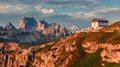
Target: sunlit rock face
<point>28,23</point>
<point>53,29</point>
<point>110,52</point>
<point>31,31</point>
<point>11,55</point>
<point>41,25</point>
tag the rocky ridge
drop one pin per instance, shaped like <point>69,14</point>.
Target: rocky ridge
<point>28,23</point>
<point>33,32</point>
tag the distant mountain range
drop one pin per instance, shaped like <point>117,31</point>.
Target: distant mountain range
<point>74,28</point>
<point>31,31</point>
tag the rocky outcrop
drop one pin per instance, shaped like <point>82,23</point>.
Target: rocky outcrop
<point>28,23</point>
<point>46,55</point>
<point>49,30</point>
<point>52,30</point>
<point>32,32</point>
<point>42,25</point>
<point>55,55</point>
<point>56,31</point>
<point>110,52</point>
<point>10,26</point>
<point>11,55</point>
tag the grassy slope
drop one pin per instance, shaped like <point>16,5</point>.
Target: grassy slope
<point>116,24</point>
<point>80,57</point>
<point>113,27</point>
<point>83,59</point>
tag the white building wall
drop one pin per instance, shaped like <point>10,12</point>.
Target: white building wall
<point>95,25</point>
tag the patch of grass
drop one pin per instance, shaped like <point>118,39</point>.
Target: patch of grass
<point>116,24</point>
<point>63,56</point>
<point>112,65</point>
<point>105,36</point>
<point>116,39</point>
<point>102,37</point>
<point>47,48</point>
<point>92,37</point>
<point>25,46</point>
<point>83,59</point>
<point>79,40</point>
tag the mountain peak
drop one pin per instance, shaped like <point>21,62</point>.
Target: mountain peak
<point>42,25</point>
<point>10,26</point>
<point>28,23</point>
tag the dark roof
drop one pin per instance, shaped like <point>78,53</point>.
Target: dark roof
<point>99,20</point>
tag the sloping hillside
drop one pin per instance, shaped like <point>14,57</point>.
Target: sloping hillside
<point>113,27</point>
<point>116,24</point>
<point>78,50</point>
<point>83,50</point>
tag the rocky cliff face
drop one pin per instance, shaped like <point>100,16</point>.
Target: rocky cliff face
<point>42,25</point>
<point>110,52</point>
<point>10,26</point>
<point>53,29</point>
<point>77,50</point>
<point>28,23</point>
<point>11,55</point>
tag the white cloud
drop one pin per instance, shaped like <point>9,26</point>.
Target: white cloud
<point>105,10</point>
<point>82,15</point>
<point>13,9</point>
<point>112,14</point>
<point>95,13</point>
<point>73,3</point>
<point>44,10</point>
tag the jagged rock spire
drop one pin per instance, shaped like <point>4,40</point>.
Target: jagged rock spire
<point>28,23</point>
<point>10,26</point>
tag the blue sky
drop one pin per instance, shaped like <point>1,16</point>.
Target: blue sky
<point>66,12</point>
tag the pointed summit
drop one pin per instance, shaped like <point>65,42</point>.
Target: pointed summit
<point>42,25</point>
<point>10,26</point>
<point>28,23</point>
